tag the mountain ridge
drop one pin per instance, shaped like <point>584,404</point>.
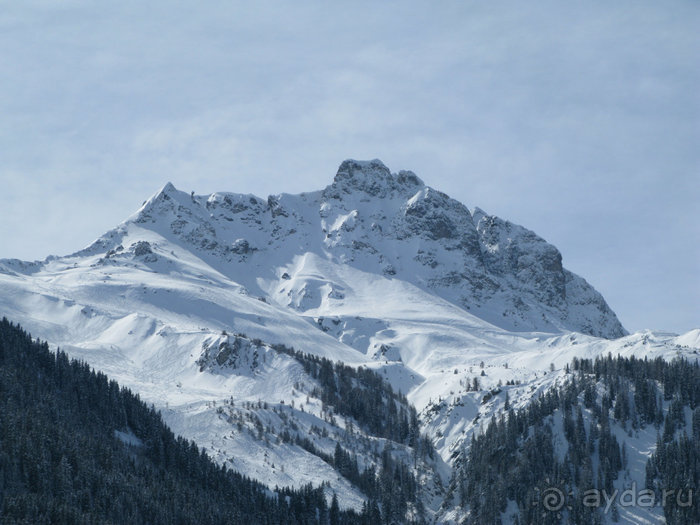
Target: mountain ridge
<point>393,225</point>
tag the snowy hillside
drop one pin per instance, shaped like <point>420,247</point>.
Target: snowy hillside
<point>196,302</point>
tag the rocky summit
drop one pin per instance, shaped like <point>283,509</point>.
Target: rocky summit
<point>387,224</point>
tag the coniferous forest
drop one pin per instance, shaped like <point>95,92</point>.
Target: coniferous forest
<point>514,459</point>
<point>371,401</point>
<point>77,448</point>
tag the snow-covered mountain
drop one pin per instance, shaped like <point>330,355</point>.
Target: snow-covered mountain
<point>382,224</point>
<point>196,301</point>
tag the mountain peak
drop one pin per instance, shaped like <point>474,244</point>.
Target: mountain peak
<point>167,198</point>
<point>167,188</point>
<point>167,192</point>
<point>371,177</point>
<point>371,167</point>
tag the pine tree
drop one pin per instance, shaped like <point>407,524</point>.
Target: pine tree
<point>335,511</point>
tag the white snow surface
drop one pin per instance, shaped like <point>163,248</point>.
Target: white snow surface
<point>376,270</point>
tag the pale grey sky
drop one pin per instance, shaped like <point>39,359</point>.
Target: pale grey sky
<point>580,121</point>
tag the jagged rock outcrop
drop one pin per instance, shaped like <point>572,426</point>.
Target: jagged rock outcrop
<point>231,352</point>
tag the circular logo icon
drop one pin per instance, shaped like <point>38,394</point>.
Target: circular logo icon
<point>553,499</point>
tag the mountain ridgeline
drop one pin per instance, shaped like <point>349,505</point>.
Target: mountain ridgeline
<point>388,224</point>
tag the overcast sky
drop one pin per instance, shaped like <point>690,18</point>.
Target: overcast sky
<point>578,120</point>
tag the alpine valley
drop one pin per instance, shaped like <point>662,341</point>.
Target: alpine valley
<point>417,360</point>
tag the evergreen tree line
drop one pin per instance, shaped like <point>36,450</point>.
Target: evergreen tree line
<point>365,396</point>
<point>390,490</point>
<point>61,460</point>
<point>514,458</point>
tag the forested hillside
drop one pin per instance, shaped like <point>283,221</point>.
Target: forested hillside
<point>76,448</point>
<point>508,471</point>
